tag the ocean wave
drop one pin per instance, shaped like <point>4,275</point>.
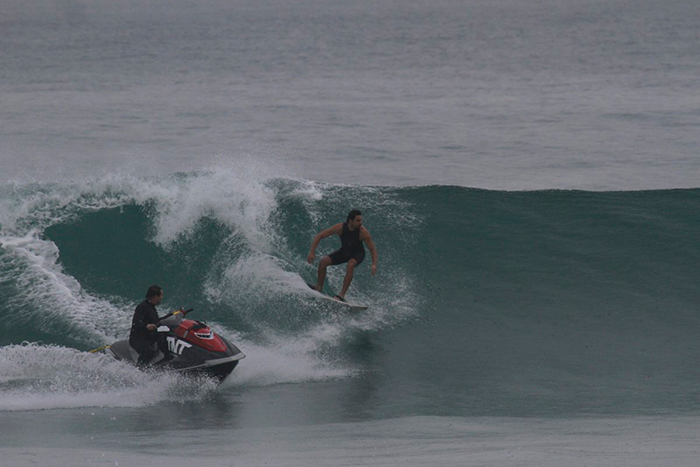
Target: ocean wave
<point>497,286</point>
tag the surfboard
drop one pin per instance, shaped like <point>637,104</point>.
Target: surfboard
<point>354,306</point>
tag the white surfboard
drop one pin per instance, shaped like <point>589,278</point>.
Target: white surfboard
<point>355,306</point>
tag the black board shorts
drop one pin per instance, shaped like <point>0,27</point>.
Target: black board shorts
<point>340,256</point>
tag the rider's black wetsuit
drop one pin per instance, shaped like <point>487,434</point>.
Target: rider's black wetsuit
<point>140,338</point>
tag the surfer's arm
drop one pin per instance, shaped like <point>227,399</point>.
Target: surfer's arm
<point>367,238</point>
<point>335,230</point>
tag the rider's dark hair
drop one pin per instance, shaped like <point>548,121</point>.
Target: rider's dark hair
<point>153,291</point>
<point>353,214</point>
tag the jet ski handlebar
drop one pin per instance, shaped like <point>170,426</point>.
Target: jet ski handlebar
<point>176,312</point>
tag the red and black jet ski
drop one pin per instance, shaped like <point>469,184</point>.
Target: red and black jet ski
<point>192,347</point>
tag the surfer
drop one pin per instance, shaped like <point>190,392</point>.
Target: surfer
<point>352,236</point>
<point>144,325</point>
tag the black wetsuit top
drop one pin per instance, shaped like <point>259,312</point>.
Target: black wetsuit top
<point>144,315</point>
<point>350,247</point>
<point>350,239</point>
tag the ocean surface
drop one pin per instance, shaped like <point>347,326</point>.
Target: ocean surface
<point>529,171</point>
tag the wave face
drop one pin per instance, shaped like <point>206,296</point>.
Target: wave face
<point>485,302</point>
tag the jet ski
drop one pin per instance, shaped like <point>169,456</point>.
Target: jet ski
<point>192,347</point>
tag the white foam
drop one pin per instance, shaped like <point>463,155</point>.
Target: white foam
<point>283,360</point>
<point>49,298</point>
<point>252,278</point>
<point>234,198</point>
<point>50,377</point>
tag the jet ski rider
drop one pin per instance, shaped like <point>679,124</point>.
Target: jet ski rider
<point>144,325</point>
